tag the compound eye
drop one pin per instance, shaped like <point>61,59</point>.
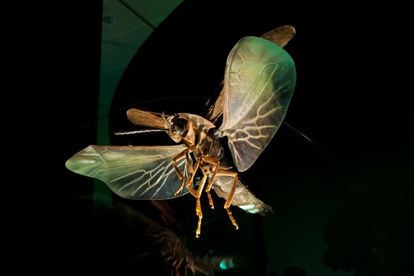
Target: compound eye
<point>180,126</point>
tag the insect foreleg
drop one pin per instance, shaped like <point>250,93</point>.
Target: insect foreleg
<point>227,204</point>
<point>180,174</point>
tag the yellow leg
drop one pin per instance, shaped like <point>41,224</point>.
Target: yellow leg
<point>180,174</point>
<point>210,199</point>
<point>199,214</point>
<point>216,163</point>
<point>227,204</point>
<point>179,156</point>
<point>190,179</point>
<point>197,194</point>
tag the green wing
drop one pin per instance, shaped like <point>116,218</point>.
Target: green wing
<point>132,172</point>
<point>259,81</point>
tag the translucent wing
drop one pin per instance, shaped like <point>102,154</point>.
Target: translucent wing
<point>132,172</point>
<point>242,198</point>
<point>259,81</point>
<point>281,36</point>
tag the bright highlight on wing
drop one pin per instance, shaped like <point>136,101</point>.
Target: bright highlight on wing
<point>243,198</point>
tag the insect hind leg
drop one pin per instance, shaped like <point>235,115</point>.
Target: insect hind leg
<point>227,204</point>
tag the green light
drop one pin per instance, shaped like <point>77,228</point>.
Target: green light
<point>226,264</point>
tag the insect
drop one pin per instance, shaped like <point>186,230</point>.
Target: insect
<point>258,85</point>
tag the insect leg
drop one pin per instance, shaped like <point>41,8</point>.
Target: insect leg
<point>227,204</point>
<point>216,163</point>
<point>197,195</point>
<point>183,154</point>
<point>190,179</point>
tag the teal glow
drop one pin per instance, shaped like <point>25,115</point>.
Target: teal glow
<point>226,264</point>
<point>251,208</point>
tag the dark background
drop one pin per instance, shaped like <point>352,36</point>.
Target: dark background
<point>352,99</point>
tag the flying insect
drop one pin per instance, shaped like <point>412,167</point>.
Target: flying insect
<point>258,85</point>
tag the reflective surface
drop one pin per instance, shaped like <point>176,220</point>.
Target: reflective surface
<point>350,99</point>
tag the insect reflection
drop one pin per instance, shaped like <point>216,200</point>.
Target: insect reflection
<point>258,85</point>
<point>178,259</point>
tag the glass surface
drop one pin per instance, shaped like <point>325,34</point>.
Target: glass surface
<point>319,226</point>
<point>342,207</point>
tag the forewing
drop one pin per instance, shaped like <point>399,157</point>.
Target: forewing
<point>132,172</point>
<point>259,81</point>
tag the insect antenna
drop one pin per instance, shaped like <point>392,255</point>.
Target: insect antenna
<point>138,131</point>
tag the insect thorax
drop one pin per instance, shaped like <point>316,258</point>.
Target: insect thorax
<point>210,145</point>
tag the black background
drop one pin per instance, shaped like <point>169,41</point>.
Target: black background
<point>352,98</point>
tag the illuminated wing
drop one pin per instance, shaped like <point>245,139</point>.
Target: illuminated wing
<point>132,172</point>
<point>259,81</point>
<point>281,36</point>
<point>242,198</point>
